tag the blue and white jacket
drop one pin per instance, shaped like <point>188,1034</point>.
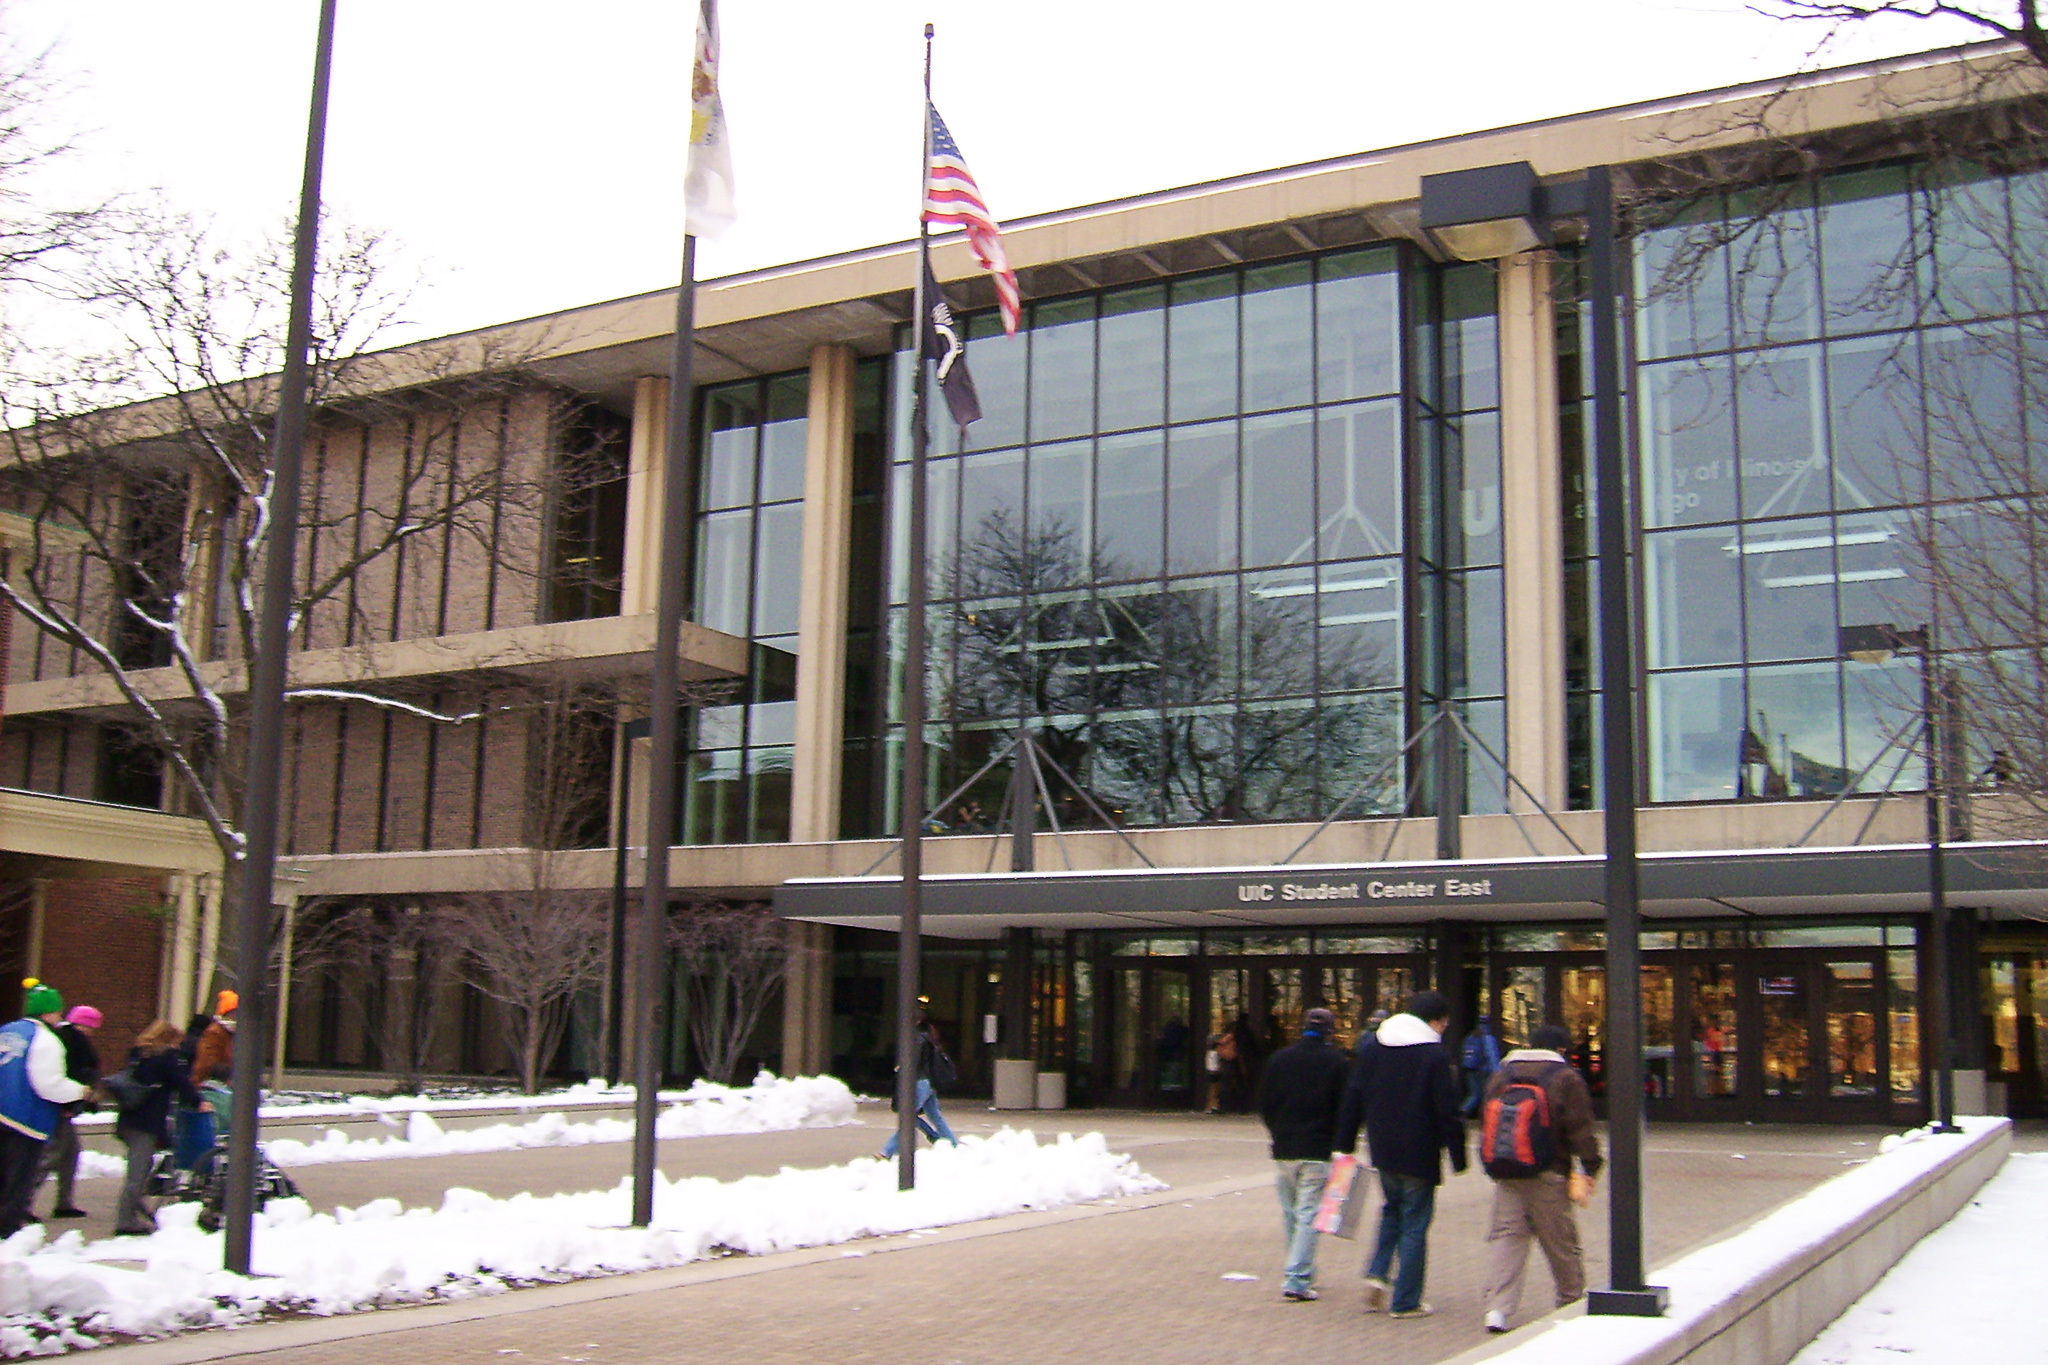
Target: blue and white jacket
<point>32,1079</point>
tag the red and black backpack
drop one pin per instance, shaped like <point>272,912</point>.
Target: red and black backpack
<point>1518,1141</point>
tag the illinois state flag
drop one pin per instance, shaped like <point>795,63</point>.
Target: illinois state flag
<point>708,205</point>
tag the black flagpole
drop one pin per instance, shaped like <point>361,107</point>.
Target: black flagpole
<point>650,948</point>
<point>908,945</point>
<point>267,682</point>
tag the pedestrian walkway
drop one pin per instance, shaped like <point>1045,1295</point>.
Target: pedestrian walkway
<point>1133,1280</point>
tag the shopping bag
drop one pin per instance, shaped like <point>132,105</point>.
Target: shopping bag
<point>1343,1205</point>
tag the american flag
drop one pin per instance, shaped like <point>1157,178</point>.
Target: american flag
<point>951,196</point>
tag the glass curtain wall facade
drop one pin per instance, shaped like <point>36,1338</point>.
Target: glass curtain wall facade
<point>1176,545</point>
<point>1831,379</point>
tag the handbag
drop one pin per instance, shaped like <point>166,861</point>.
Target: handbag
<point>1343,1205</point>
<point>128,1092</point>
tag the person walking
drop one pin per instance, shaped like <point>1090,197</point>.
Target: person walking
<point>81,1064</point>
<point>1300,1092</point>
<point>1478,1060</point>
<point>33,1087</point>
<point>1538,1119</point>
<point>934,1068</point>
<point>157,1064</point>
<point>1238,1050</point>
<point>1403,1092</point>
<point>214,1059</point>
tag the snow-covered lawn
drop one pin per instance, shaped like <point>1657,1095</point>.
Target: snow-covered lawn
<point>444,1099</point>
<point>70,1293</point>
<point>1965,1293</point>
<point>771,1104</point>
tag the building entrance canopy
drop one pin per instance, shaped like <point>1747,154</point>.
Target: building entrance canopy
<point>2006,878</point>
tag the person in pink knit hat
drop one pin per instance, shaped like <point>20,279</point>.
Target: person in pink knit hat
<point>81,1064</point>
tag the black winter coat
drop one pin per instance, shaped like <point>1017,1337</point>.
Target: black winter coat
<point>166,1074</point>
<point>1406,1095</point>
<point>1300,1092</point>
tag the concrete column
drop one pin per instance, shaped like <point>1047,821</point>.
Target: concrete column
<point>209,943</point>
<point>645,465</point>
<point>820,691</point>
<point>178,984</point>
<point>1532,531</point>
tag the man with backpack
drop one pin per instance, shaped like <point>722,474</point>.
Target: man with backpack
<point>1537,1115</point>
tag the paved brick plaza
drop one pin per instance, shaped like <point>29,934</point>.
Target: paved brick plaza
<point>1139,1280</point>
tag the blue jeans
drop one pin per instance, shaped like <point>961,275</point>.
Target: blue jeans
<point>1300,1184</point>
<point>1404,1228</point>
<point>927,1108</point>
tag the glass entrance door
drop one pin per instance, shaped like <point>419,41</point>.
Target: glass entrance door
<point>1152,1052</point>
<point>1712,1072</point>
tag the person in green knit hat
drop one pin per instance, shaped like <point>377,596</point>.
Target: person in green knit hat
<point>33,1088</point>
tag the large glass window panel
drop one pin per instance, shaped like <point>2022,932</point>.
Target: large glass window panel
<point>1062,635</point>
<point>1991,578</point>
<point>784,434</point>
<point>1682,285</point>
<point>731,416</point>
<point>1874,410</point>
<point>1976,442</point>
<point>1881,714</point>
<point>942,507</point>
<point>1201,348</point>
<point>1356,737</point>
<point>1279,335</point>
<point>1695,735</point>
<point>1688,442</point>
<point>991,523</point>
<point>1132,384</point>
<point>778,568</point>
<point>1062,369</point>
<point>1775,264</point>
<point>1130,505</point>
<point>1969,259</point>
<point>1475,476</point>
<point>1277,759</point>
<point>769,777</point>
<point>1057,550</point>
<point>1124,766</point>
<point>1277,629</point>
<point>1358,326</point>
<point>1795,718</point>
<point>1484,790</point>
<point>1852,1022</point>
<point>1783,432</point>
<point>721,727</point>
<point>1198,640</point>
<point>724,570</point>
<point>1788,580</point>
<point>1471,338</point>
<point>1867,251</point>
<point>1127,649</point>
<point>1715,1030</point>
<point>1902,1003</point>
<point>1787,1065</point>
<point>1358,478</point>
<point>1201,764</point>
<point>1359,620</point>
<point>998,363</point>
<point>993,669</point>
<point>1201,498</point>
<point>1693,593</point>
<point>1876,584</point>
<point>1279,490</point>
<point>715,793</point>
<point>1480,668</point>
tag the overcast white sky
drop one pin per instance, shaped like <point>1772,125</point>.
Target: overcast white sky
<point>527,149</point>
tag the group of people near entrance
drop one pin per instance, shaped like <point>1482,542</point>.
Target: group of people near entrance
<point>1402,1085</point>
<point>50,1074</point>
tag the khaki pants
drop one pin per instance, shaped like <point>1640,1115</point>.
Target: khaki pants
<point>1522,1209</point>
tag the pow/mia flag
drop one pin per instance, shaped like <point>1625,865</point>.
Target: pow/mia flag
<point>946,348</point>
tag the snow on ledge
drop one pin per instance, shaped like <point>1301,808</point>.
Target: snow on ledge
<point>1750,1265</point>
<point>65,1295</point>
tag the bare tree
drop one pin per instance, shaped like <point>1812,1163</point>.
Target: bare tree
<point>399,958</point>
<point>2015,21</point>
<point>732,958</point>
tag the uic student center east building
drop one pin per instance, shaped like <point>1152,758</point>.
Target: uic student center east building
<point>1266,485</point>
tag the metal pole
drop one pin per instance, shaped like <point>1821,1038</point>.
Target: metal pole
<point>1939,982</point>
<point>650,946</point>
<point>1622,1051</point>
<point>909,947</point>
<point>615,986</point>
<point>267,680</point>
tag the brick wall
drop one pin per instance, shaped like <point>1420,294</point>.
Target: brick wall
<point>103,946</point>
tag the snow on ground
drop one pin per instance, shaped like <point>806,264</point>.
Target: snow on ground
<point>771,1104</point>
<point>1965,1293</point>
<point>64,1294</point>
<point>440,1099</point>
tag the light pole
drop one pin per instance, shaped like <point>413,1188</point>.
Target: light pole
<point>1876,644</point>
<point>1484,214</point>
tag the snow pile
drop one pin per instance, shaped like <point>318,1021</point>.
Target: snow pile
<point>439,1099</point>
<point>1987,1256</point>
<point>53,1295</point>
<point>770,1105</point>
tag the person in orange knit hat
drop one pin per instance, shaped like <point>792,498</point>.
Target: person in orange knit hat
<point>216,1059</point>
